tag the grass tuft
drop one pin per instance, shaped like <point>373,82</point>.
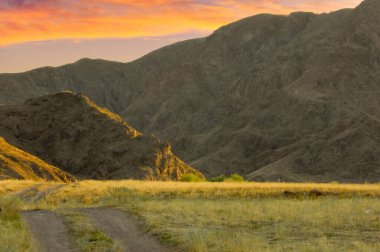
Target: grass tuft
<point>87,238</point>
<point>14,235</point>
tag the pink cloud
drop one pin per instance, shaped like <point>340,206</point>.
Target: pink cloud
<point>56,19</point>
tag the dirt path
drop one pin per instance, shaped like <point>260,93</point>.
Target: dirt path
<point>124,229</point>
<point>49,231</point>
<point>33,194</point>
<point>31,190</point>
<point>43,194</point>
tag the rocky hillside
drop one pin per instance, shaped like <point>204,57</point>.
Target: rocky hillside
<point>88,141</point>
<point>18,164</point>
<point>290,98</point>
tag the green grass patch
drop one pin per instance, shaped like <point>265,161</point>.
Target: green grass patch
<point>14,235</point>
<point>87,238</point>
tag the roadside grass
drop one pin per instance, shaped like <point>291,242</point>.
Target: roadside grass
<point>14,235</point>
<point>326,224</point>
<point>90,192</point>
<point>12,186</point>
<point>87,238</point>
<point>212,216</point>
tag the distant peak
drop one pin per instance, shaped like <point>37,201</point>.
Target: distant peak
<point>83,60</point>
<point>369,8</point>
<point>369,3</point>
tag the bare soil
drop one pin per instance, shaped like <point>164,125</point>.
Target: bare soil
<point>49,230</point>
<point>51,234</point>
<point>124,229</point>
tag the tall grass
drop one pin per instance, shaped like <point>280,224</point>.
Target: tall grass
<point>212,216</point>
<point>86,237</point>
<point>14,235</point>
<point>327,224</point>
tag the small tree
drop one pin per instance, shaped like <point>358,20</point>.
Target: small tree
<point>191,177</point>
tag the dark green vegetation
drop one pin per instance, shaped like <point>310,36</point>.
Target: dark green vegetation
<point>290,98</point>
<point>191,177</point>
<point>223,178</point>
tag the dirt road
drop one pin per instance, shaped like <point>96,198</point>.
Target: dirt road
<point>49,231</point>
<point>124,229</point>
<point>51,234</point>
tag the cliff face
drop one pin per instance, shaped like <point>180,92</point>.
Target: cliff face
<point>272,97</point>
<point>73,133</point>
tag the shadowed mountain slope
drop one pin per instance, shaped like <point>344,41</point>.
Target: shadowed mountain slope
<point>271,97</point>
<point>17,164</point>
<point>73,133</point>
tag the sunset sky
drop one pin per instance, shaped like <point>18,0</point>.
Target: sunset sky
<point>36,33</point>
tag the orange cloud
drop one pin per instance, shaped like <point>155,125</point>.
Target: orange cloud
<point>34,20</point>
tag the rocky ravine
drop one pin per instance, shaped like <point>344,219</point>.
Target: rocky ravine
<point>74,134</point>
<point>290,98</point>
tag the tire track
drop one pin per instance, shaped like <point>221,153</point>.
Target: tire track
<point>49,230</point>
<point>124,229</point>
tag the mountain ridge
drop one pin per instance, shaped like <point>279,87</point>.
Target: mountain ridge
<point>71,132</point>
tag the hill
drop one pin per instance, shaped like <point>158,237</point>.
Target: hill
<point>71,132</point>
<point>17,164</point>
<point>291,98</point>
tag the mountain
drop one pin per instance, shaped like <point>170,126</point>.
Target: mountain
<point>292,98</point>
<point>17,164</point>
<point>71,132</point>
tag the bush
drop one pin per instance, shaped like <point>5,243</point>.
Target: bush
<point>219,178</point>
<point>191,177</point>
<point>232,178</point>
<point>235,178</point>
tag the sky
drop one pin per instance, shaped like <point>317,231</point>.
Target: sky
<point>36,33</point>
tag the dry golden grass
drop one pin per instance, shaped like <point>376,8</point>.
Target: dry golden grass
<point>14,235</point>
<point>208,189</point>
<point>91,191</point>
<point>234,216</point>
<point>215,190</point>
<point>12,186</point>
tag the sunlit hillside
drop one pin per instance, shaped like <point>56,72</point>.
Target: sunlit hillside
<point>18,164</point>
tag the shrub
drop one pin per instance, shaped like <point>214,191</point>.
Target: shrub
<point>191,177</point>
<point>232,178</point>
<point>219,178</point>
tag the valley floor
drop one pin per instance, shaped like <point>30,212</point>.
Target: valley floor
<point>175,216</point>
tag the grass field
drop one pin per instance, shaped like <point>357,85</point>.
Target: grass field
<point>207,216</point>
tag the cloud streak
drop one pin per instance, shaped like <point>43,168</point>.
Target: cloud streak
<point>35,20</point>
